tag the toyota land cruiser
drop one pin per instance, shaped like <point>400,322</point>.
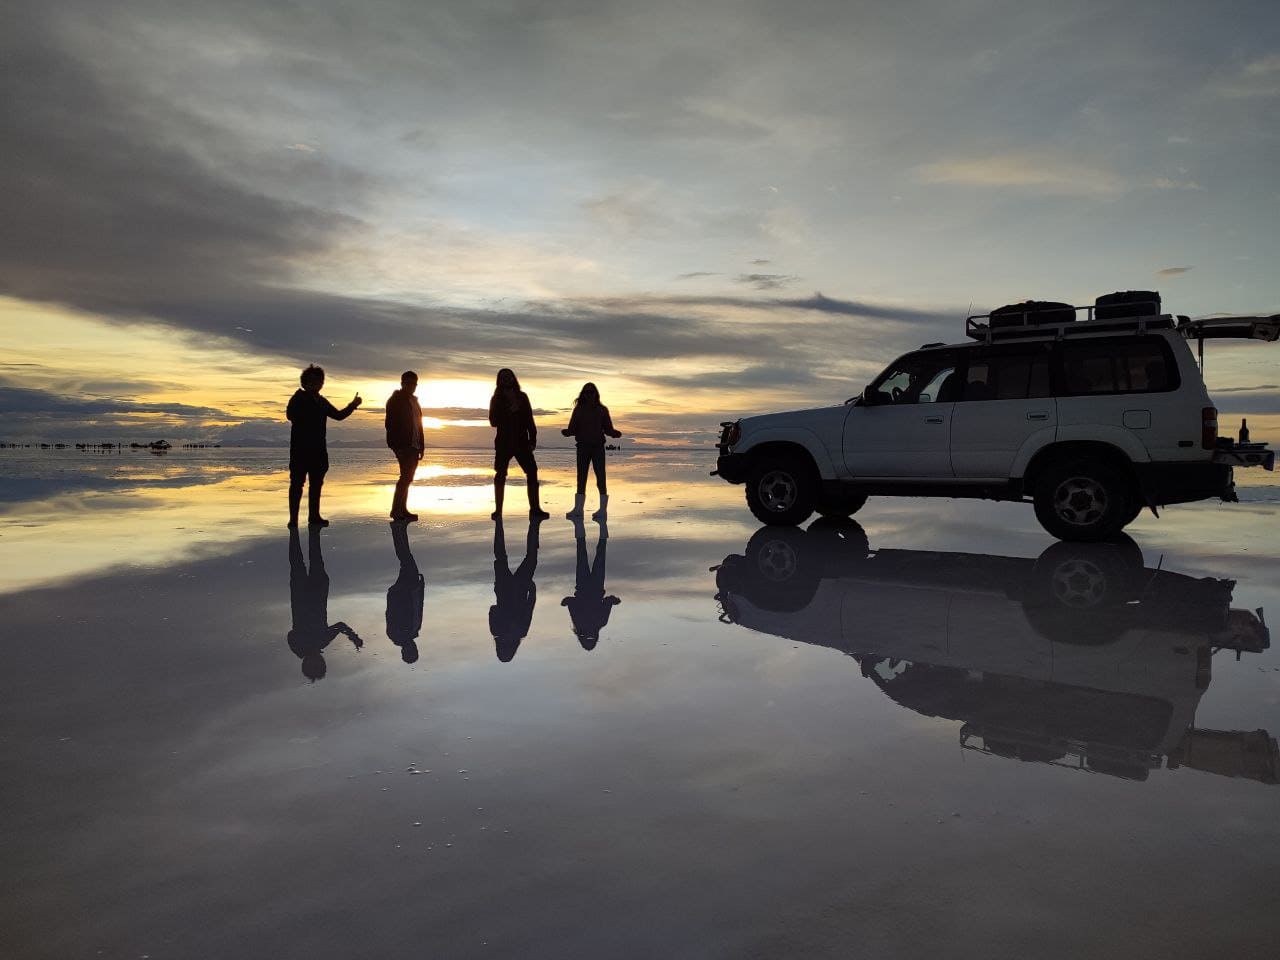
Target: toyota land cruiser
<point>1090,420</point>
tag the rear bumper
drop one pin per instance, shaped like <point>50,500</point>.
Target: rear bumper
<point>732,467</point>
<point>1164,483</point>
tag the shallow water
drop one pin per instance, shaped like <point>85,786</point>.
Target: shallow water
<point>930,731</point>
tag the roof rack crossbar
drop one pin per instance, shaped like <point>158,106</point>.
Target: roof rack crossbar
<point>976,329</point>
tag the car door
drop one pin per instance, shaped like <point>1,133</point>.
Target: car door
<point>901,426</point>
<point>1006,400</point>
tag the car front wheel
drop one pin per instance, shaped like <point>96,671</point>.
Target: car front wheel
<point>782,492</point>
<point>1083,500</point>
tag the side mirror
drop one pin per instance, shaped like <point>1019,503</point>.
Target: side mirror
<point>870,396</point>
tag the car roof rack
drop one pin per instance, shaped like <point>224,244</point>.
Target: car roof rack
<point>978,327</point>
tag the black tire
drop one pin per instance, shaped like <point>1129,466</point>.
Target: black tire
<point>841,543</point>
<point>782,492</point>
<point>1080,592</point>
<point>841,505</point>
<point>1083,500</point>
<point>781,574</point>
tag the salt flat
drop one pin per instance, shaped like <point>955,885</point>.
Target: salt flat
<point>931,732</point>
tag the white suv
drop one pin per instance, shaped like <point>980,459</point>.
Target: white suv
<point>1091,420</point>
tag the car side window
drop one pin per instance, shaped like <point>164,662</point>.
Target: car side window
<point>1133,365</point>
<point>1008,375</point>
<point>919,378</point>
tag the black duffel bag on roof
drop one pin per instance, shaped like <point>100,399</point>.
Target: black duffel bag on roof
<point>1032,313</point>
<point>1127,303</point>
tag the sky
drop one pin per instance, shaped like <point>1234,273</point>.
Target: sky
<point>707,209</point>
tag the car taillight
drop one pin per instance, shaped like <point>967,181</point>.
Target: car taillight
<point>1209,428</point>
<point>731,434</point>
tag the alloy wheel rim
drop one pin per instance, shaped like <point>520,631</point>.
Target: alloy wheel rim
<point>1079,584</point>
<point>778,490</point>
<point>776,561</point>
<point>1080,501</point>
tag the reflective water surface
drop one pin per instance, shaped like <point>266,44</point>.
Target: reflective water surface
<point>677,735</point>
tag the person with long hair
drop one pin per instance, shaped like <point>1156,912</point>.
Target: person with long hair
<point>589,424</point>
<point>511,416</point>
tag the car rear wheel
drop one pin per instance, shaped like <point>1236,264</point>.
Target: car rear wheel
<point>1083,500</point>
<point>782,492</point>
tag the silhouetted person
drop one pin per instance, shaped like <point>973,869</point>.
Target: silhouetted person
<point>404,437</point>
<point>310,413</point>
<point>589,424</point>
<point>511,415</point>
<point>404,598</point>
<point>589,607</point>
<point>309,603</point>
<point>514,593</point>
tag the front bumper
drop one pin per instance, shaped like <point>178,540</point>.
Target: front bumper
<point>733,467</point>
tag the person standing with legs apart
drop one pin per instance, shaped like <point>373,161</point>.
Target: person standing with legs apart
<point>590,424</point>
<point>511,415</point>
<point>309,413</point>
<point>404,437</point>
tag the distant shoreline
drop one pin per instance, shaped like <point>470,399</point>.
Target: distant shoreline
<point>69,446</point>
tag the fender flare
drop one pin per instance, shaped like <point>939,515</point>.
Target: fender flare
<point>799,437</point>
<point>1120,438</point>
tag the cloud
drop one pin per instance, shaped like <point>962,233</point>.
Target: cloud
<point>1247,402</point>
<point>24,400</point>
<point>1173,271</point>
<point>1258,78</point>
<point>766,281</point>
<point>1167,183</point>
<point>765,375</point>
<point>1036,172</point>
<point>642,207</point>
<point>160,234</point>
<point>1260,388</point>
<point>761,263</point>
<point>44,415</point>
<point>695,275</point>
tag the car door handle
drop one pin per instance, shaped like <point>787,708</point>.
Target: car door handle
<point>933,420</point>
<point>1039,415</point>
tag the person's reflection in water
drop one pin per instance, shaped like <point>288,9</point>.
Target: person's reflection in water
<point>514,593</point>
<point>309,603</point>
<point>404,598</point>
<point>589,607</point>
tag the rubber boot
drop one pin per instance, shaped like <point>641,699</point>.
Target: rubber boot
<point>313,506</point>
<point>535,508</point>
<point>576,513</point>
<point>603,513</point>
<point>499,492</point>
<point>295,501</point>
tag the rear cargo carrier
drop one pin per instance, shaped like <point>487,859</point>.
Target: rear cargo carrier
<point>1230,451</point>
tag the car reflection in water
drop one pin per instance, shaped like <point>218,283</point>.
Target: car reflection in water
<point>1081,657</point>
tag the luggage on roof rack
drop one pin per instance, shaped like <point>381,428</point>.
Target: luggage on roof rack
<point>1032,313</point>
<point>1126,303</point>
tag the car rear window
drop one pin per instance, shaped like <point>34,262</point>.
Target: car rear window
<point>1132,365</point>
